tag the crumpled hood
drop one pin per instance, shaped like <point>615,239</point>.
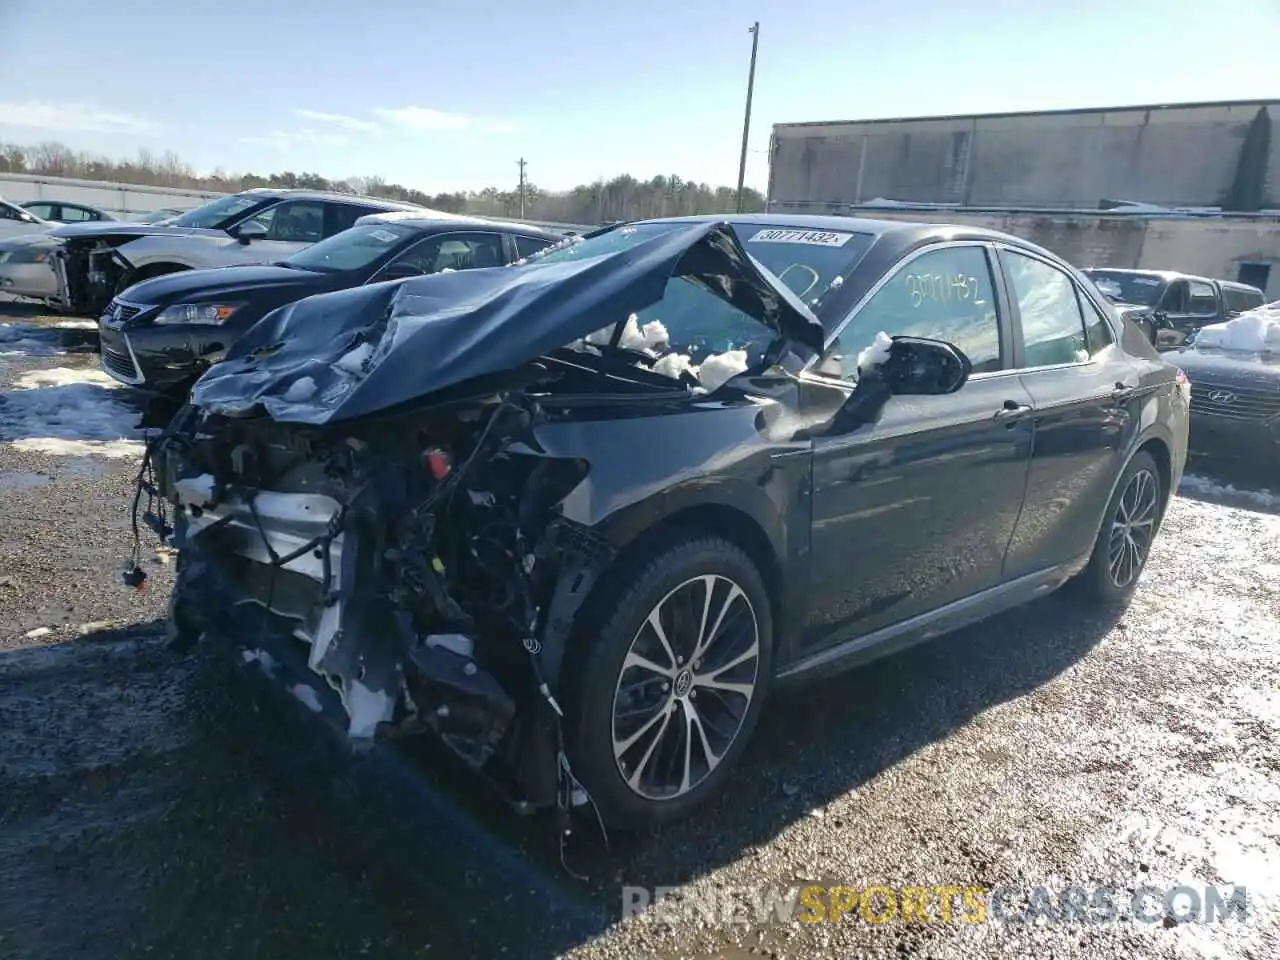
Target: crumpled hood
<point>348,354</point>
<point>114,228</point>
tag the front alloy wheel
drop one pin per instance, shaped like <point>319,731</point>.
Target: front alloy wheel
<point>671,668</point>
<point>686,687</point>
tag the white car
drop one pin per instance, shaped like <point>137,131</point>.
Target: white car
<point>17,222</point>
<point>26,268</point>
<point>97,261</point>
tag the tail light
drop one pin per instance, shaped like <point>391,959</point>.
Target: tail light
<point>438,461</point>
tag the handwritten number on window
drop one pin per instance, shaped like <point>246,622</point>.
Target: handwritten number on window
<point>943,288</point>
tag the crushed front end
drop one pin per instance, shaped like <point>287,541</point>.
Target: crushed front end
<point>89,270</point>
<point>419,561</point>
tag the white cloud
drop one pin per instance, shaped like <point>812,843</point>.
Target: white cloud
<point>339,120</point>
<point>72,118</point>
<point>427,120</point>
<point>288,139</point>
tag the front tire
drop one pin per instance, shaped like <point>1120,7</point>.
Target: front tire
<point>672,682</point>
<point>1128,530</point>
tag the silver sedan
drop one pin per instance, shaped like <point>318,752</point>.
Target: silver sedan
<point>26,270</point>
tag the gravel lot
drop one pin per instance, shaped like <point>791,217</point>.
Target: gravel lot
<point>149,807</point>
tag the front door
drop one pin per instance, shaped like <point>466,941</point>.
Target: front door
<point>916,510</point>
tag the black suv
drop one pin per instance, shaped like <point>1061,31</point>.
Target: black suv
<point>1171,306</point>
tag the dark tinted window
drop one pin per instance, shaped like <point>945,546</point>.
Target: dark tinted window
<point>945,294</point>
<point>1202,300</point>
<point>1175,298</point>
<point>454,251</point>
<point>1053,330</point>
<point>527,246</point>
<point>1123,287</point>
<point>1238,301</point>
<point>342,216</point>
<point>296,221</point>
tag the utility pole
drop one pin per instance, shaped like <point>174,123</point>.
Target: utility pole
<point>522,165</point>
<point>746,122</point>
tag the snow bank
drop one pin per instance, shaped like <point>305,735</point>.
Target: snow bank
<point>1255,330</point>
<point>66,412</point>
<point>1206,489</point>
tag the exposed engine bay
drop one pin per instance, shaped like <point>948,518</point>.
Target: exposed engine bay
<point>421,558</point>
<point>90,271</point>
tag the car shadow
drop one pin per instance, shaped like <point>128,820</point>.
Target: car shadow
<point>43,334</point>
<point>819,744</point>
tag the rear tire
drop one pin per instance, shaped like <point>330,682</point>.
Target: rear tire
<point>1129,527</point>
<point>670,684</point>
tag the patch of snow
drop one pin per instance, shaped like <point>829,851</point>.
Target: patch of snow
<point>1212,490</point>
<point>68,412</point>
<point>720,368</point>
<point>601,337</point>
<point>77,325</point>
<point>300,390</point>
<point>263,659</point>
<point>307,695</point>
<point>353,361</point>
<point>26,341</point>
<point>37,633</point>
<point>674,364</point>
<point>877,353</point>
<point>1254,330</point>
<point>366,708</point>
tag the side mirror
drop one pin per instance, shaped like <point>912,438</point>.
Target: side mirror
<point>250,231</point>
<point>400,271</point>
<point>922,367</point>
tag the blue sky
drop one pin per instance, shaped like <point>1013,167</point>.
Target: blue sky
<point>447,96</point>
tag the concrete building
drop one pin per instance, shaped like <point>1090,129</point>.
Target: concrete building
<point>1183,155</point>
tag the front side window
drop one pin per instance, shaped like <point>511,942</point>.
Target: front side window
<point>352,249</point>
<point>1175,298</point>
<point>1053,330</point>
<point>944,294</point>
<point>219,214</point>
<point>44,210</point>
<point>294,221</point>
<point>1201,299</point>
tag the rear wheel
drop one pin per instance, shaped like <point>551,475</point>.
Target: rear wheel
<point>672,683</point>
<point>1128,530</point>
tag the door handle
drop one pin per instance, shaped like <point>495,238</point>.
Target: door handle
<point>1123,391</point>
<point>1013,410</point>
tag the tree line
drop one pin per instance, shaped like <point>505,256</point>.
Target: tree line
<point>623,197</point>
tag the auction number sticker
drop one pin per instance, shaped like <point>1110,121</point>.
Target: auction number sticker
<point>818,238</point>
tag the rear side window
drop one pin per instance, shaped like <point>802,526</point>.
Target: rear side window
<point>1202,301</point>
<point>1053,329</point>
<point>527,246</point>
<point>1237,301</point>
<point>1098,335</point>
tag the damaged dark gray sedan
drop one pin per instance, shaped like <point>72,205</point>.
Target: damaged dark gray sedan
<point>576,517</point>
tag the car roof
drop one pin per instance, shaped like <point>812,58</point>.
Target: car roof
<point>870,225</point>
<point>425,218</point>
<point>332,197</point>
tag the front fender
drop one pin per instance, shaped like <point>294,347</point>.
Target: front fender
<point>194,253</point>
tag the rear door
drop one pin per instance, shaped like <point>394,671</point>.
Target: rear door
<point>915,511</point>
<point>1084,389</point>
